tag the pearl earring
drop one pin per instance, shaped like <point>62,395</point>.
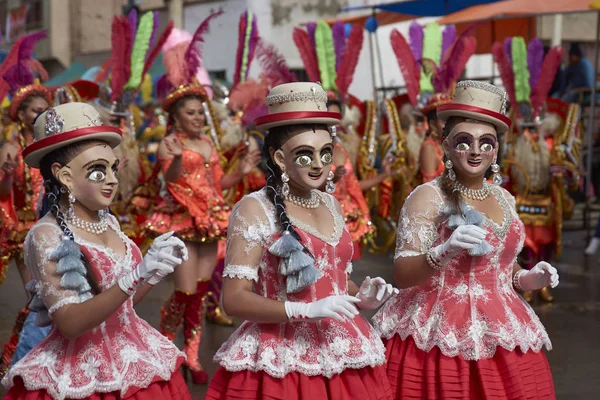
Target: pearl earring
<point>496,178</point>
<point>449,166</point>
<point>330,186</point>
<point>285,188</point>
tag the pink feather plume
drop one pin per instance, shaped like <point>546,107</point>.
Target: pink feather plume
<point>38,68</point>
<point>338,31</point>
<point>345,73</point>
<point>157,48</point>
<point>455,60</point>
<point>407,64</point>
<point>193,54</point>
<point>307,53</point>
<point>506,72</point>
<point>544,84</point>
<point>119,37</point>
<point>273,63</point>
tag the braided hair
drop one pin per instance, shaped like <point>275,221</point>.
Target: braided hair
<point>54,191</point>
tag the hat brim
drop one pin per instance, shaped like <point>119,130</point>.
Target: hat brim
<point>500,121</point>
<point>267,122</point>
<point>33,154</point>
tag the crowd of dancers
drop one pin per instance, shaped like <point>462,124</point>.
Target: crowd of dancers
<point>258,198</point>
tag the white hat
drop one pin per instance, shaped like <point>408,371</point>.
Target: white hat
<point>297,103</point>
<point>477,100</point>
<point>64,125</point>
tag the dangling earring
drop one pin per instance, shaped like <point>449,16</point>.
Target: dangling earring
<point>330,186</point>
<point>72,201</point>
<point>451,174</point>
<point>285,188</point>
<point>496,178</point>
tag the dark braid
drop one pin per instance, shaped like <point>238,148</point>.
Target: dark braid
<point>54,191</point>
<point>447,184</point>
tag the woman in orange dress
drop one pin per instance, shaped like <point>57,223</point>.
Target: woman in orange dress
<point>431,156</point>
<point>192,203</point>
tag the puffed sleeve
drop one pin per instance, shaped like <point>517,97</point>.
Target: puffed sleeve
<point>248,233</point>
<point>419,219</point>
<point>55,284</point>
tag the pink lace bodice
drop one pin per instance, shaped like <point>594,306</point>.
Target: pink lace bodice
<point>325,347</point>
<point>122,352</point>
<point>470,307</point>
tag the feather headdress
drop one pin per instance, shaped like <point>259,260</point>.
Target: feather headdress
<point>409,67</point>
<point>247,41</point>
<point>273,64</point>
<point>521,69</point>
<point>132,54</point>
<point>328,55</point>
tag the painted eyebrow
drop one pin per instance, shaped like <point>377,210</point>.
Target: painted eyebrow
<point>94,161</point>
<point>469,134</point>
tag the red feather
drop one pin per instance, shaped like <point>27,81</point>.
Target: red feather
<point>242,27</point>
<point>345,73</point>
<point>128,47</point>
<point>101,77</point>
<point>193,54</point>
<point>37,67</point>
<point>506,72</point>
<point>455,59</point>
<point>273,63</point>
<point>407,64</point>
<point>156,49</point>
<point>117,58</point>
<point>307,53</point>
<point>544,84</point>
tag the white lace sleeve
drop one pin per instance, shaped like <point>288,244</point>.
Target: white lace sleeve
<point>40,243</point>
<point>419,218</point>
<point>248,234</point>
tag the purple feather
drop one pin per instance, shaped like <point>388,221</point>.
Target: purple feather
<point>18,75</point>
<point>311,27</point>
<point>163,87</point>
<point>338,30</point>
<point>416,35</point>
<point>133,22</point>
<point>535,57</point>
<point>155,25</point>
<point>508,50</point>
<point>28,45</point>
<point>252,42</point>
<point>448,38</point>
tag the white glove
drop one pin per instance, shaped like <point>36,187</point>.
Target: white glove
<point>374,292</point>
<point>540,276</point>
<point>172,245</point>
<point>158,260</point>
<point>336,307</point>
<point>465,237</point>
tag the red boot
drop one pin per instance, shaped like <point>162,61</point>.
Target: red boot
<point>192,332</point>
<point>171,314</point>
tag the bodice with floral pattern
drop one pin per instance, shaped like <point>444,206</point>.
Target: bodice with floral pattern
<point>122,352</point>
<point>324,347</point>
<point>470,307</point>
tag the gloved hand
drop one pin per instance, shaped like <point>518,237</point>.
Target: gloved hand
<point>374,292</point>
<point>540,276</point>
<point>336,307</point>
<point>172,245</point>
<point>158,260</point>
<point>465,237</point>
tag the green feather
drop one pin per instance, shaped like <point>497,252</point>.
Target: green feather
<point>520,69</point>
<point>432,49</point>
<point>245,54</point>
<point>326,55</point>
<point>140,48</point>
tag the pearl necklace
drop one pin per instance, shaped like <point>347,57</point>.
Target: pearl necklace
<point>473,194</point>
<point>312,202</point>
<point>96,228</point>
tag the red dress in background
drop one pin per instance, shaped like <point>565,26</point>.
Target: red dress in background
<point>354,206</point>
<point>429,141</point>
<point>304,360</point>
<point>122,358</point>
<point>193,206</point>
<point>465,333</point>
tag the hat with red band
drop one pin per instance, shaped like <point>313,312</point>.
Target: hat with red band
<point>297,103</point>
<point>64,125</point>
<point>480,101</point>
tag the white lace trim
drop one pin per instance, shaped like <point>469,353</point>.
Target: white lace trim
<point>63,302</point>
<point>241,272</point>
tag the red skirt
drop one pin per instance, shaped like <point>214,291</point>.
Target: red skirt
<point>173,389</point>
<point>364,384</point>
<point>415,374</point>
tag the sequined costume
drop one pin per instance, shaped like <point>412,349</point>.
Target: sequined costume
<point>465,332</point>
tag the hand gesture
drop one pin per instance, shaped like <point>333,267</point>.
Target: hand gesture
<point>540,276</point>
<point>336,307</point>
<point>9,165</point>
<point>374,292</point>
<point>465,237</point>
<point>386,166</point>
<point>173,246</point>
<point>249,161</point>
<point>173,146</point>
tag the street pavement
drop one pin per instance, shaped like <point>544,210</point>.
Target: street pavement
<point>572,321</point>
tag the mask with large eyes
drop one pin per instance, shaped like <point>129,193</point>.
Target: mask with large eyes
<point>97,172</point>
<point>304,158</point>
<point>464,143</point>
